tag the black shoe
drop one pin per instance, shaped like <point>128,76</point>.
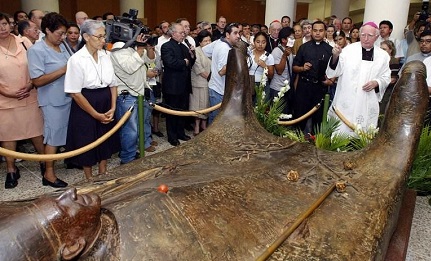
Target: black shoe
<point>58,183</point>
<point>11,179</point>
<point>42,166</point>
<point>174,142</point>
<point>158,133</point>
<point>185,138</point>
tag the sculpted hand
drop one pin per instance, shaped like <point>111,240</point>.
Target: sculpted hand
<point>369,86</point>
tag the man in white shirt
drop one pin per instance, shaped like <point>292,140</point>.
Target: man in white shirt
<point>219,53</point>
<point>386,28</point>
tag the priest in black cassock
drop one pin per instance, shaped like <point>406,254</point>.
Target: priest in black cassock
<point>310,64</point>
<point>177,63</point>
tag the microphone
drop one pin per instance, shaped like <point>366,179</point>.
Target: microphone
<point>188,43</point>
<point>192,52</point>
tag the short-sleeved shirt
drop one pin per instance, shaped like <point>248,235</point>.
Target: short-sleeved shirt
<point>84,72</point>
<point>255,69</point>
<point>219,59</point>
<point>277,81</point>
<point>42,60</point>
<point>14,74</point>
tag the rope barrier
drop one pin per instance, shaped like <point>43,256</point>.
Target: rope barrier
<point>185,113</point>
<point>344,119</point>
<point>308,114</point>
<point>69,154</point>
<point>286,233</point>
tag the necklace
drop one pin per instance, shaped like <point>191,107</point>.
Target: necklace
<point>7,50</point>
<point>101,72</point>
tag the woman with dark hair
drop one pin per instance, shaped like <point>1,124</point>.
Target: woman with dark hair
<point>91,82</point>
<point>330,35</point>
<point>354,35</point>
<point>72,37</point>
<point>260,60</point>
<point>47,67</point>
<point>199,98</point>
<point>20,116</point>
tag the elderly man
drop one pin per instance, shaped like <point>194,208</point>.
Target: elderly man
<point>364,74</point>
<point>177,62</point>
<point>306,36</point>
<point>80,18</point>
<point>36,16</point>
<point>272,40</point>
<point>29,29</point>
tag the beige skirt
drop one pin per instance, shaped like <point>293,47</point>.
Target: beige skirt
<point>21,123</point>
<point>199,100</point>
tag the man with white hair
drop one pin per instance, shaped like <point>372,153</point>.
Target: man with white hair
<point>364,74</point>
<point>272,40</point>
<point>80,18</point>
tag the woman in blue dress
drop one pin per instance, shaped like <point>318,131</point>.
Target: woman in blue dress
<point>47,61</point>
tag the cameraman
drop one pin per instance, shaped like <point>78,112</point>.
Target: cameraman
<point>412,33</point>
<point>130,69</point>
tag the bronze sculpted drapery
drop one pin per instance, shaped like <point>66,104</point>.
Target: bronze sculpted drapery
<point>229,196</point>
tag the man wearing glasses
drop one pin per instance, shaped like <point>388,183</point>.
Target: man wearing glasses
<point>364,74</point>
<point>424,46</point>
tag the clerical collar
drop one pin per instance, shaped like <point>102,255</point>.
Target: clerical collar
<point>316,42</point>
<point>426,54</point>
<point>367,55</point>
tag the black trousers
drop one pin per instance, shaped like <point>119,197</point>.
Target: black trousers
<point>175,124</point>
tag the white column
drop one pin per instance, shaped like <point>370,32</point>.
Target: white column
<point>275,9</point>
<point>206,10</point>
<point>377,11</point>
<point>340,8</point>
<point>126,5</point>
<point>43,5</point>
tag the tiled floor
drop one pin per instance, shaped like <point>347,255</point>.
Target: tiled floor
<point>30,185</point>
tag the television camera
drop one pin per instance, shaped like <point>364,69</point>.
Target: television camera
<point>127,28</point>
<point>424,14</point>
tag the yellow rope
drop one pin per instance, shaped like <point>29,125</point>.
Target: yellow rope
<point>343,119</point>
<point>308,114</point>
<point>185,113</point>
<point>69,154</point>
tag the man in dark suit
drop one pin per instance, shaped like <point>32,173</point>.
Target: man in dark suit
<point>177,61</point>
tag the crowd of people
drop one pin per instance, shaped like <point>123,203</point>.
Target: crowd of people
<point>61,88</point>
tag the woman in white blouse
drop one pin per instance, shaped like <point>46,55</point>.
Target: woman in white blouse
<point>91,82</point>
